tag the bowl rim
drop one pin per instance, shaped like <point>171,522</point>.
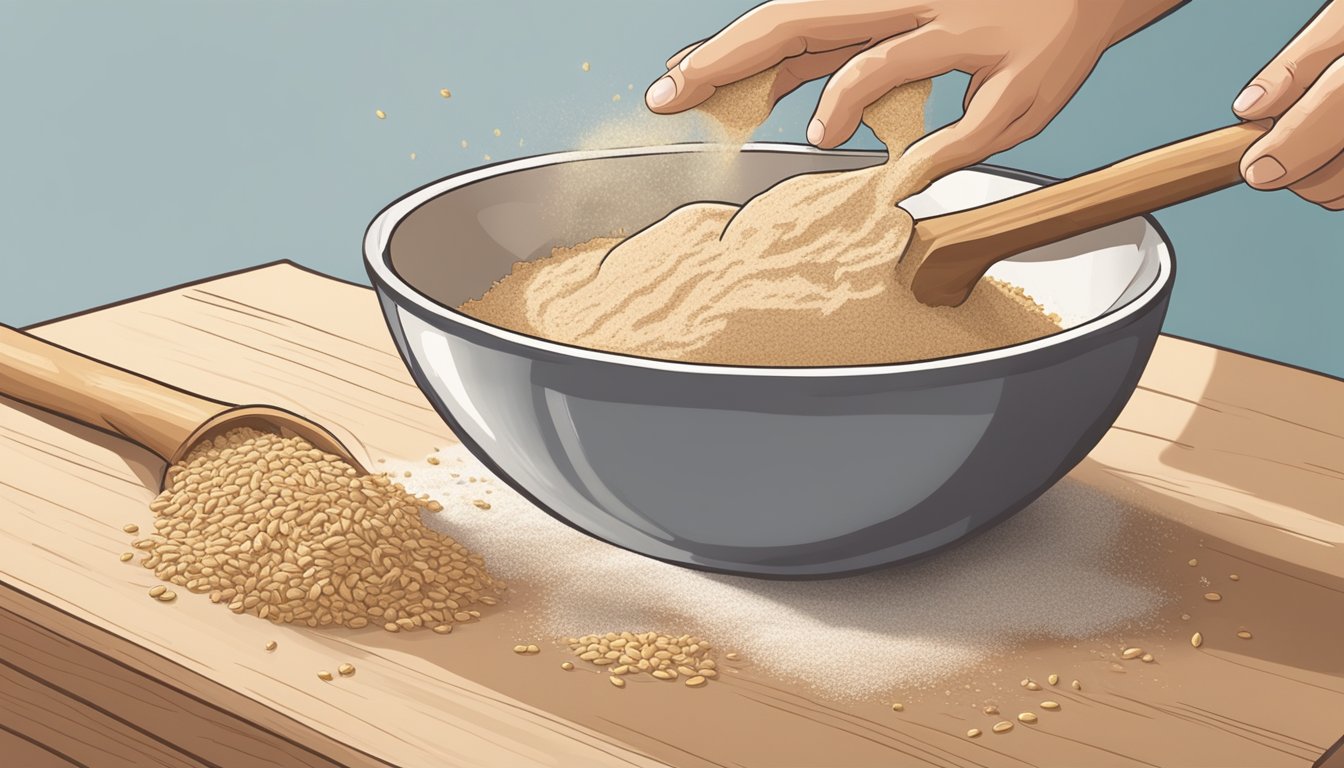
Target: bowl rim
<point>378,263</point>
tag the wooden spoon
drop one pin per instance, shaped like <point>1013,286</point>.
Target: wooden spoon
<point>957,248</point>
<point>170,422</point>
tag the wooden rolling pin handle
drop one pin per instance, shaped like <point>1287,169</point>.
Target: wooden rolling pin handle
<point>971,241</point>
<point>99,395</point>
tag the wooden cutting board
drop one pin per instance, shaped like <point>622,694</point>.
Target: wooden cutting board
<point>1242,458</point>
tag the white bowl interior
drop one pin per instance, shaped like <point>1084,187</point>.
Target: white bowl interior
<point>450,240</point>
<point>1080,278</point>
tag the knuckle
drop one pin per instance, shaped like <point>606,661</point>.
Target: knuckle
<point>867,65</point>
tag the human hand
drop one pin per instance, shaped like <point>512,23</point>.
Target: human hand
<point>1025,59</point>
<point>1303,90</point>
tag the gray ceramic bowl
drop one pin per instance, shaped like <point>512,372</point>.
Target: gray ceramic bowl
<point>783,472</point>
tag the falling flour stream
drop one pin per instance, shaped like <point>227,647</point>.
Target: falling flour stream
<point>807,273</point>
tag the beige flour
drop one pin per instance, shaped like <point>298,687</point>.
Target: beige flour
<point>738,109</point>
<point>806,273</point>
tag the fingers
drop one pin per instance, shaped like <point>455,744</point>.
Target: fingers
<point>1283,81</point>
<point>1001,115</point>
<point>670,93</point>
<point>664,89</point>
<point>1305,139</point>
<point>767,35</point>
<point>679,55</point>
<point>1325,187</point>
<point>923,53</point>
<point>973,87</point>
<point>808,67</point>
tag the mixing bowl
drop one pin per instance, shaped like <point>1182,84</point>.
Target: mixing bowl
<point>780,472</point>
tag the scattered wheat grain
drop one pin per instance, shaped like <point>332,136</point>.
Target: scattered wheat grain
<point>273,527</point>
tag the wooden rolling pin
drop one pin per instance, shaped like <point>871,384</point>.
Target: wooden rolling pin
<point>168,421</point>
<point>957,248</point>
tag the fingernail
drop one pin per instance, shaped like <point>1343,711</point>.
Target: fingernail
<point>661,92</point>
<point>1264,170</point>
<point>1247,98</point>
<point>816,131</point>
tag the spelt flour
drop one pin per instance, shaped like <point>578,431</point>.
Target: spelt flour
<point>807,273</point>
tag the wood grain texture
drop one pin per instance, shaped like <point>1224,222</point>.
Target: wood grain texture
<point>21,751</point>
<point>1241,458</point>
<point>145,412</point>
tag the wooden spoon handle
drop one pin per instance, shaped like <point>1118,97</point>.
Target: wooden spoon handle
<point>969,242</point>
<point>102,396</point>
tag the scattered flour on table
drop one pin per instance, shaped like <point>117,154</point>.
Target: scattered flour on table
<point>1067,568</point>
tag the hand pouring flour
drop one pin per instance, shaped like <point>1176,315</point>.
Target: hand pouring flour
<point>804,274</point>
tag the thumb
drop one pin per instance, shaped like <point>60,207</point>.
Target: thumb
<point>1283,81</point>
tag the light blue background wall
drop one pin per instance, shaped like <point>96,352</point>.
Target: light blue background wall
<point>148,142</point>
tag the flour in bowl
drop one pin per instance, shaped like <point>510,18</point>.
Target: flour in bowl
<point>808,273</point>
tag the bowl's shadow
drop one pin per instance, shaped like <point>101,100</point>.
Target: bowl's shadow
<point>1074,564</point>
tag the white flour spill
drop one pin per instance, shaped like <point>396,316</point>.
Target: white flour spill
<point>1067,568</point>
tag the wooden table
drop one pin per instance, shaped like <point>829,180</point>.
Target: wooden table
<point>1243,459</point>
